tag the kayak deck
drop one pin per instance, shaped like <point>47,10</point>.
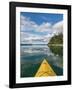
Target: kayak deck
<point>45,70</point>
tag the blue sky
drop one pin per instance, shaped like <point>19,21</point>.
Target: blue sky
<point>38,28</point>
<point>43,17</point>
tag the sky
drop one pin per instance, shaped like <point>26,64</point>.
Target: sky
<point>38,28</point>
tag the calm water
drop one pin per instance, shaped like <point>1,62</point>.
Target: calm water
<point>33,55</point>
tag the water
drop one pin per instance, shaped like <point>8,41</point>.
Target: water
<point>33,55</point>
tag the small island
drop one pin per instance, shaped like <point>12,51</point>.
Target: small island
<point>56,44</point>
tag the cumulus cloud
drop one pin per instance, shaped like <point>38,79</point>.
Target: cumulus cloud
<point>58,27</point>
<point>27,24</point>
<point>44,27</point>
<point>31,32</point>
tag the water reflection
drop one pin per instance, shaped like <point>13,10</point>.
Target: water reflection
<point>58,50</point>
<point>33,55</point>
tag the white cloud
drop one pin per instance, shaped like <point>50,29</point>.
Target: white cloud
<point>42,33</point>
<point>44,27</point>
<point>27,24</point>
<point>58,27</point>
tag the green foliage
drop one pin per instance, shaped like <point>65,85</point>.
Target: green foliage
<point>57,39</point>
<point>55,43</point>
<point>58,50</point>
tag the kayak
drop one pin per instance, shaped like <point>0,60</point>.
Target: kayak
<point>45,70</point>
